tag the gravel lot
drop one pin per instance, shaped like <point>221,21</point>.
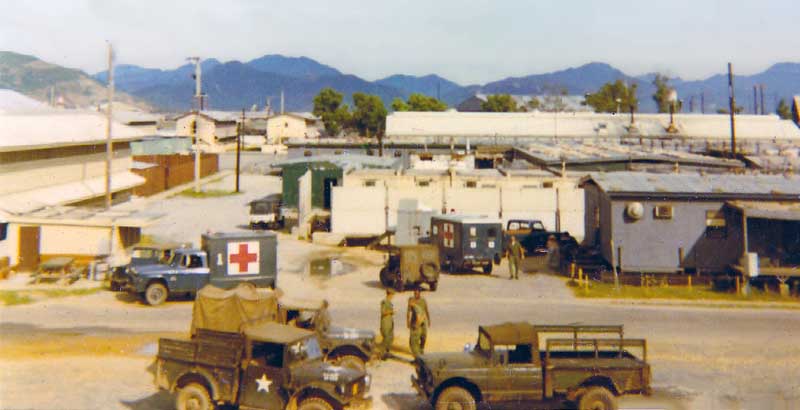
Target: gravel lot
<point>95,351</point>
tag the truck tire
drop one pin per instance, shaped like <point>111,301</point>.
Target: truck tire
<point>597,398</point>
<point>433,285</point>
<point>487,269</point>
<point>315,403</point>
<point>350,361</point>
<point>193,396</point>
<point>428,271</point>
<point>156,294</point>
<point>386,279</point>
<point>455,397</point>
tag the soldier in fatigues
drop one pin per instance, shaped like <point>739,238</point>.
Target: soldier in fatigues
<point>515,256</point>
<point>387,324</point>
<point>417,319</point>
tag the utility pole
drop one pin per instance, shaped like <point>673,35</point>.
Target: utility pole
<point>238,149</point>
<point>755,100</point>
<point>198,89</point>
<point>732,101</point>
<point>198,95</point>
<point>281,101</point>
<point>763,111</point>
<point>109,108</point>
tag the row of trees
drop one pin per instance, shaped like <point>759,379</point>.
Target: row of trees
<point>368,116</point>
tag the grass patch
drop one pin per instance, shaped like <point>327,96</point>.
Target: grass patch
<point>22,297</point>
<point>696,293</point>
<point>210,193</point>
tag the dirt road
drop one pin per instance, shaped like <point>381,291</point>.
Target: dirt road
<point>94,351</point>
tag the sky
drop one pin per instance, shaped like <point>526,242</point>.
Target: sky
<point>467,41</point>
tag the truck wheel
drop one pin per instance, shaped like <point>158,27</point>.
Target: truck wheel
<point>193,397</point>
<point>399,286</point>
<point>386,281</point>
<point>428,271</point>
<point>350,361</point>
<point>497,259</point>
<point>315,403</point>
<point>432,286</point>
<point>597,398</point>
<point>455,397</point>
<point>487,269</point>
<point>156,294</point>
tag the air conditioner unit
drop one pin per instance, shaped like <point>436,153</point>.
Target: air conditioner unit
<point>663,211</point>
<point>634,210</point>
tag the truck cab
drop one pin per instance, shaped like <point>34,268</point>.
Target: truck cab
<point>266,212</point>
<point>185,271</point>
<point>264,367</point>
<point>507,365</point>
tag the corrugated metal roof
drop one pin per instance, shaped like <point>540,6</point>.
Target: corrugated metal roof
<point>640,182</point>
<point>768,210</point>
<point>345,161</point>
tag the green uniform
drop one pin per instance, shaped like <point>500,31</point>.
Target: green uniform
<point>515,259</point>
<point>418,325</point>
<point>387,326</point>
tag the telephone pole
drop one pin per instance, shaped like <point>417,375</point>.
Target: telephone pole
<point>109,107</point>
<point>238,149</point>
<point>732,101</point>
<point>198,95</point>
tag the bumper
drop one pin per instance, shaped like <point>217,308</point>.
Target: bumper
<point>421,390</point>
<point>359,404</point>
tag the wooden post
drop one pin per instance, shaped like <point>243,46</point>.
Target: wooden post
<point>572,270</point>
<point>580,274</point>
<point>690,282</point>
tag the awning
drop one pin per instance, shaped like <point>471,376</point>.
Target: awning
<point>63,194</point>
<point>785,211</point>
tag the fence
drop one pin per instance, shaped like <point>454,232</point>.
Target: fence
<point>170,171</point>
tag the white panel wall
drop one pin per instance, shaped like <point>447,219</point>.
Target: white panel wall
<point>428,197</point>
<point>474,201</point>
<point>572,205</point>
<point>530,203</point>
<point>74,240</point>
<point>358,210</point>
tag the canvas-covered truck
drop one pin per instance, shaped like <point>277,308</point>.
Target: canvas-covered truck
<point>238,355</point>
<point>467,242</point>
<point>343,346</point>
<point>524,364</point>
<point>224,260</point>
<point>267,212</point>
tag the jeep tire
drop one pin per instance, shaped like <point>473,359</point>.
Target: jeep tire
<point>314,403</point>
<point>455,397</point>
<point>433,285</point>
<point>385,277</point>
<point>156,294</point>
<point>193,396</point>
<point>597,398</point>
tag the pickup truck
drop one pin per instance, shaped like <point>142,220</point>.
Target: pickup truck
<point>225,260</point>
<point>143,255</point>
<point>508,365</point>
<point>267,366</point>
<point>532,236</point>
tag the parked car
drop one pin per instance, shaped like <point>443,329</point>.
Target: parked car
<point>467,242</point>
<point>518,363</point>
<point>225,260</point>
<point>411,266</point>
<point>266,212</point>
<point>343,346</point>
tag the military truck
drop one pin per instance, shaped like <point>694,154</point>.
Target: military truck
<point>518,363</point>
<point>467,242</point>
<point>224,260</point>
<point>411,266</point>
<point>142,255</point>
<point>346,347</point>
<point>266,212</point>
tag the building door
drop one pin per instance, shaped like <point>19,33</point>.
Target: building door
<point>329,184</point>
<point>29,247</point>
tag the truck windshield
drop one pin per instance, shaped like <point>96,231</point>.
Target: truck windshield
<point>537,226</point>
<point>483,346</point>
<point>260,208</point>
<point>307,349</point>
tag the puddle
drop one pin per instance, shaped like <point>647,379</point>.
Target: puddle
<point>323,268</point>
<point>149,349</point>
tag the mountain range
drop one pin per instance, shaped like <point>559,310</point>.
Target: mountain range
<point>235,85</point>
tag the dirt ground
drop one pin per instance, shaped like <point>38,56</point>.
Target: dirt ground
<point>95,351</point>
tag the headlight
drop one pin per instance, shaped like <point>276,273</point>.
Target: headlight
<point>341,388</point>
<point>367,382</point>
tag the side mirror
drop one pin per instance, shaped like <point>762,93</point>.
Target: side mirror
<point>468,347</point>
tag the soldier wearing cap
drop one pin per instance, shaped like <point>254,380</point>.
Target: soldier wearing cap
<point>387,324</point>
<point>417,319</point>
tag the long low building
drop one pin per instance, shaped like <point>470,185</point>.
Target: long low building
<point>516,128</point>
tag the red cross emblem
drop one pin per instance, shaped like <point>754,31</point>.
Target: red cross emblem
<point>240,257</point>
<point>447,234</point>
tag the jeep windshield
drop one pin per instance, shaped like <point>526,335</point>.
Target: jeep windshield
<point>484,346</point>
<point>306,349</point>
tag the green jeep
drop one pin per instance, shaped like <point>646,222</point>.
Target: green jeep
<point>508,365</point>
<point>411,266</point>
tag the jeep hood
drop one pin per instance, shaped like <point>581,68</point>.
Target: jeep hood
<point>347,333</point>
<point>319,371</point>
<point>150,269</point>
<point>464,360</point>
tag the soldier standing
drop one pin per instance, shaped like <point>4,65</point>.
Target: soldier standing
<point>387,324</point>
<point>515,256</point>
<point>322,320</point>
<point>417,319</point>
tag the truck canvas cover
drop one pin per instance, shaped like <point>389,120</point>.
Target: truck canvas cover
<point>229,310</point>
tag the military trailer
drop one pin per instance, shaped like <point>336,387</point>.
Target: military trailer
<point>343,346</point>
<point>225,260</point>
<point>411,266</point>
<point>467,242</point>
<point>522,364</point>
<point>266,212</point>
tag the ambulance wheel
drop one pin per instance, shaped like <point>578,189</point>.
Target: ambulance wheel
<point>386,281</point>
<point>156,294</point>
<point>487,269</point>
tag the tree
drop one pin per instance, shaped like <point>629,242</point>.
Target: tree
<point>605,99</point>
<point>663,93</point>
<point>725,110</point>
<point>499,103</point>
<point>329,108</point>
<point>554,98</point>
<point>418,102</point>
<point>783,110</point>
<point>369,115</point>
<point>533,105</point>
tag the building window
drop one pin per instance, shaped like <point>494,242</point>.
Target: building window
<point>548,185</point>
<point>369,182</point>
<point>716,225</point>
<point>471,184</point>
<point>662,212</point>
<point>398,154</point>
<point>424,182</point>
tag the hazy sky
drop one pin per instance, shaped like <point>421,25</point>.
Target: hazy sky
<point>469,41</point>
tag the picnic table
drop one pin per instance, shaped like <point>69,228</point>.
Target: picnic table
<point>59,268</point>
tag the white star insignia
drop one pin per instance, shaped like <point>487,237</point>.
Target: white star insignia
<point>263,383</point>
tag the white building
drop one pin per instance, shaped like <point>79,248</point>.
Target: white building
<point>213,129</point>
<point>281,127</point>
